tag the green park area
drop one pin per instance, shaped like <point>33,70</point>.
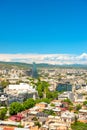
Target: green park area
<point>79,126</point>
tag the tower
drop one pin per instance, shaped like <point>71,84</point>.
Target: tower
<point>34,71</point>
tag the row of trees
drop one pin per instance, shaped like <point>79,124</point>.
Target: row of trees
<point>16,107</point>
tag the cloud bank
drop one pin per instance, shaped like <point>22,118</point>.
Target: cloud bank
<point>59,59</point>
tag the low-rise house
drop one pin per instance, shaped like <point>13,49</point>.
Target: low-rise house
<point>55,123</point>
<point>13,128</point>
<point>35,108</point>
<point>66,95</point>
<point>3,100</point>
<point>41,105</point>
<point>68,117</point>
<point>57,111</point>
<point>82,115</point>
<point>64,106</point>
<point>17,117</point>
<point>9,123</point>
<point>41,114</point>
<point>57,103</point>
<point>58,126</point>
<point>27,122</point>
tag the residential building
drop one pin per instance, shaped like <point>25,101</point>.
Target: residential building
<point>65,95</point>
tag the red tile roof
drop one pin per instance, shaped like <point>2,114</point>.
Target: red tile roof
<point>8,128</point>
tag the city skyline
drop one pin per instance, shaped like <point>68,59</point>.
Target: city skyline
<point>43,27</point>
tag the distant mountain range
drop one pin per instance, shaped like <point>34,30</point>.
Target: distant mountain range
<point>40,65</point>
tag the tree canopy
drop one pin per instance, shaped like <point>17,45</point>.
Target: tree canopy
<point>4,83</point>
<point>85,103</point>
<point>28,103</point>
<point>44,92</point>
<point>3,112</point>
<point>15,107</point>
<point>68,101</point>
<point>79,126</point>
<point>42,87</point>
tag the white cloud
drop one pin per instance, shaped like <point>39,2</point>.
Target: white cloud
<point>45,58</point>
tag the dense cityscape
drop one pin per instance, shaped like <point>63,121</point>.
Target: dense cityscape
<point>43,98</point>
<point>43,64</point>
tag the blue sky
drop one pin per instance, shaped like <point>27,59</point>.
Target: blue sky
<point>43,26</point>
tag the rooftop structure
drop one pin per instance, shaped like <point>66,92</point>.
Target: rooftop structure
<point>22,87</point>
<point>64,87</point>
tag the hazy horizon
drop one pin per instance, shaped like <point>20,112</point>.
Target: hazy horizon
<point>58,59</point>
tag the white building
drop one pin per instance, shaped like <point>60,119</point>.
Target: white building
<point>21,86</point>
<point>3,100</point>
<point>68,116</point>
<point>86,88</point>
<point>66,95</point>
<point>18,92</point>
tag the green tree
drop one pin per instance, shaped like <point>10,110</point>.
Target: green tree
<point>46,100</point>
<point>40,91</point>
<point>28,103</point>
<point>49,112</point>
<point>85,103</point>
<point>3,113</point>
<point>51,95</point>
<point>70,108</point>
<point>78,107</point>
<point>43,100</point>
<point>52,105</point>
<point>4,83</point>
<point>59,77</point>
<point>75,119</point>
<point>37,123</point>
<point>35,118</point>
<point>42,88</point>
<point>38,100</point>
<point>55,94</point>
<point>15,107</point>
<point>68,101</point>
<point>79,126</point>
<point>20,126</point>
